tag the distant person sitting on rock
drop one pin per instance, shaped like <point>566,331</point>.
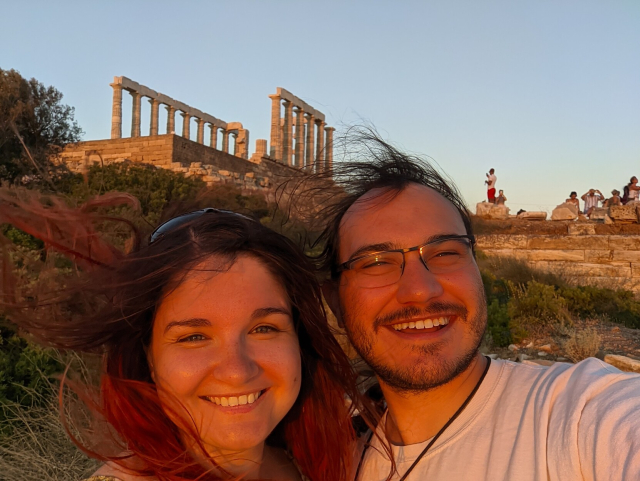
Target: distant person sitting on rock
<point>591,200</point>
<point>501,199</point>
<point>491,186</point>
<point>631,191</point>
<point>614,199</point>
<point>573,199</point>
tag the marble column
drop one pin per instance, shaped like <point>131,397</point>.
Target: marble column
<point>225,141</point>
<point>135,114</point>
<point>171,119</point>
<point>320,147</point>
<point>153,128</point>
<point>235,143</point>
<point>299,137</point>
<point>287,137</point>
<point>213,143</point>
<point>311,130</point>
<point>328,149</point>
<point>186,125</point>
<point>116,112</point>
<point>275,150</point>
<point>200,123</point>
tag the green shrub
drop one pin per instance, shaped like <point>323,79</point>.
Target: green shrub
<point>619,305</point>
<point>498,323</point>
<point>538,302</point>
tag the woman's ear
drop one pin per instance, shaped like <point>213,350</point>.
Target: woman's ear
<point>331,295</point>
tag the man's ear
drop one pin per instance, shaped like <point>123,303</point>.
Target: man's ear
<point>330,293</point>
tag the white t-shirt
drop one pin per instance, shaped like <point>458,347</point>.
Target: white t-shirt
<point>492,181</point>
<point>532,423</point>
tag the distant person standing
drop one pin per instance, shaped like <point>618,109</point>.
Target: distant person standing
<point>631,191</point>
<point>591,200</point>
<point>491,186</point>
<point>501,199</point>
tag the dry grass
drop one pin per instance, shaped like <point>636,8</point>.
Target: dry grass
<point>582,344</point>
<point>36,446</point>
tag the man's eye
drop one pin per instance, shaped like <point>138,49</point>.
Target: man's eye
<point>265,330</point>
<point>193,338</point>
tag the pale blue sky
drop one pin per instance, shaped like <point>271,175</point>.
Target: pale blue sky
<point>545,91</point>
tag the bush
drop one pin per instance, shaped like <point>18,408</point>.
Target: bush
<point>498,324</point>
<point>582,344</point>
<point>619,306</point>
<point>539,302</point>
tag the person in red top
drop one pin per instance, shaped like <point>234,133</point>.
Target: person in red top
<point>491,186</point>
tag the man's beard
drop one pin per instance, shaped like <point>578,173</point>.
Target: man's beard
<point>432,371</point>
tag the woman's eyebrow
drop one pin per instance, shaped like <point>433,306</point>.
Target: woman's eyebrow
<point>193,322</point>
<point>266,311</point>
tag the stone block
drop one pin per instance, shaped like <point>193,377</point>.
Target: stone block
<point>626,256</point>
<point>599,213</point>
<point>582,229</point>
<point>568,242</point>
<point>565,212</point>
<point>513,253</point>
<point>533,215</point>
<point>586,269</point>
<point>623,213</point>
<point>623,363</point>
<point>598,255</point>
<point>492,211</point>
<point>625,242</point>
<point>555,255</point>
<point>635,270</point>
<point>502,241</point>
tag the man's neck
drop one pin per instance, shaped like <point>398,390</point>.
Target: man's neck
<point>416,417</point>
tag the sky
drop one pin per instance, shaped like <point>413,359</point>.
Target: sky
<point>547,92</point>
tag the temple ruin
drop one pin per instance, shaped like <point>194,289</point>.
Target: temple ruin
<point>297,146</point>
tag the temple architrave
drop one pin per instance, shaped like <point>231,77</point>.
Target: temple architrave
<point>297,146</point>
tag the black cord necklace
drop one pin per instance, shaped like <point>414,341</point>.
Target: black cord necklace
<point>438,434</point>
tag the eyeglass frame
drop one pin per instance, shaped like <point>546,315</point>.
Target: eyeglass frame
<point>180,220</point>
<point>346,266</point>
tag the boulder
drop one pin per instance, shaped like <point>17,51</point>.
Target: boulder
<point>624,213</point>
<point>623,363</point>
<point>533,215</point>
<point>565,211</point>
<point>492,211</point>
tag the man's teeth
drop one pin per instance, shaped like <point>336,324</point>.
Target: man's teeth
<point>235,400</point>
<point>426,324</point>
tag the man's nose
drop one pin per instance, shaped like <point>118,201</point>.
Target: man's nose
<point>235,363</point>
<point>417,283</point>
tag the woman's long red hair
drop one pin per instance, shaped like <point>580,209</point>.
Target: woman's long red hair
<point>111,308</point>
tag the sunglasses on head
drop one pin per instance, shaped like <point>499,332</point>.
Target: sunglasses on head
<point>178,221</point>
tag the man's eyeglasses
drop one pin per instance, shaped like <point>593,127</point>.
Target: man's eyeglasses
<point>441,256</point>
<point>183,219</point>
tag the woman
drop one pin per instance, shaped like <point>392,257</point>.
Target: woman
<point>218,360</point>
<point>631,191</point>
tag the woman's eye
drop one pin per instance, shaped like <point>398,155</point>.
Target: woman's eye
<point>193,338</point>
<point>265,330</point>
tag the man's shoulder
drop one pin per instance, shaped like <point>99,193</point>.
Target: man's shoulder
<point>584,380</point>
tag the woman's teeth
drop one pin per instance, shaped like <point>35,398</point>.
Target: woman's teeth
<point>235,400</point>
<point>427,324</point>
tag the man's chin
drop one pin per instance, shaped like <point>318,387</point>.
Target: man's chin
<point>428,372</point>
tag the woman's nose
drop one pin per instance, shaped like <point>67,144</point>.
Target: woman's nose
<point>235,363</point>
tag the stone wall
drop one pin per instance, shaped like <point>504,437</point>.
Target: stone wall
<point>582,256</point>
<point>179,154</point>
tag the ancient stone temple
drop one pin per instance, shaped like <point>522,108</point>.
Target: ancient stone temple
<point>297,146</point>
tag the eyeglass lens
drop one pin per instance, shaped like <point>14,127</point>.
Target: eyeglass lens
<point>385,268</point>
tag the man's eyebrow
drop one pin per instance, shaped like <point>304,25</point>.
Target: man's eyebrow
<point>389,246</point>
<point>267,311</point>
<point>193,322</point>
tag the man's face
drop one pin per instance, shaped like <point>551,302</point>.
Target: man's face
<point>592,192</point>
<point>410,359</point>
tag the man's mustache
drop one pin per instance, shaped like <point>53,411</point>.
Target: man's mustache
<point>412,312</point>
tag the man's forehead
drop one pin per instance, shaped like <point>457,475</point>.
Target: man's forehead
<point>411,215</point>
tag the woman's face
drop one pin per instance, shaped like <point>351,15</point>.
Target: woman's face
<point>224,346</point>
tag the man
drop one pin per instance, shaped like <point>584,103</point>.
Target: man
<point>491,186</point>
<point>405,285</point>
<point>591,199</point>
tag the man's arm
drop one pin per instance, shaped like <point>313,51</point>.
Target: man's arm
<point>584,196</point>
